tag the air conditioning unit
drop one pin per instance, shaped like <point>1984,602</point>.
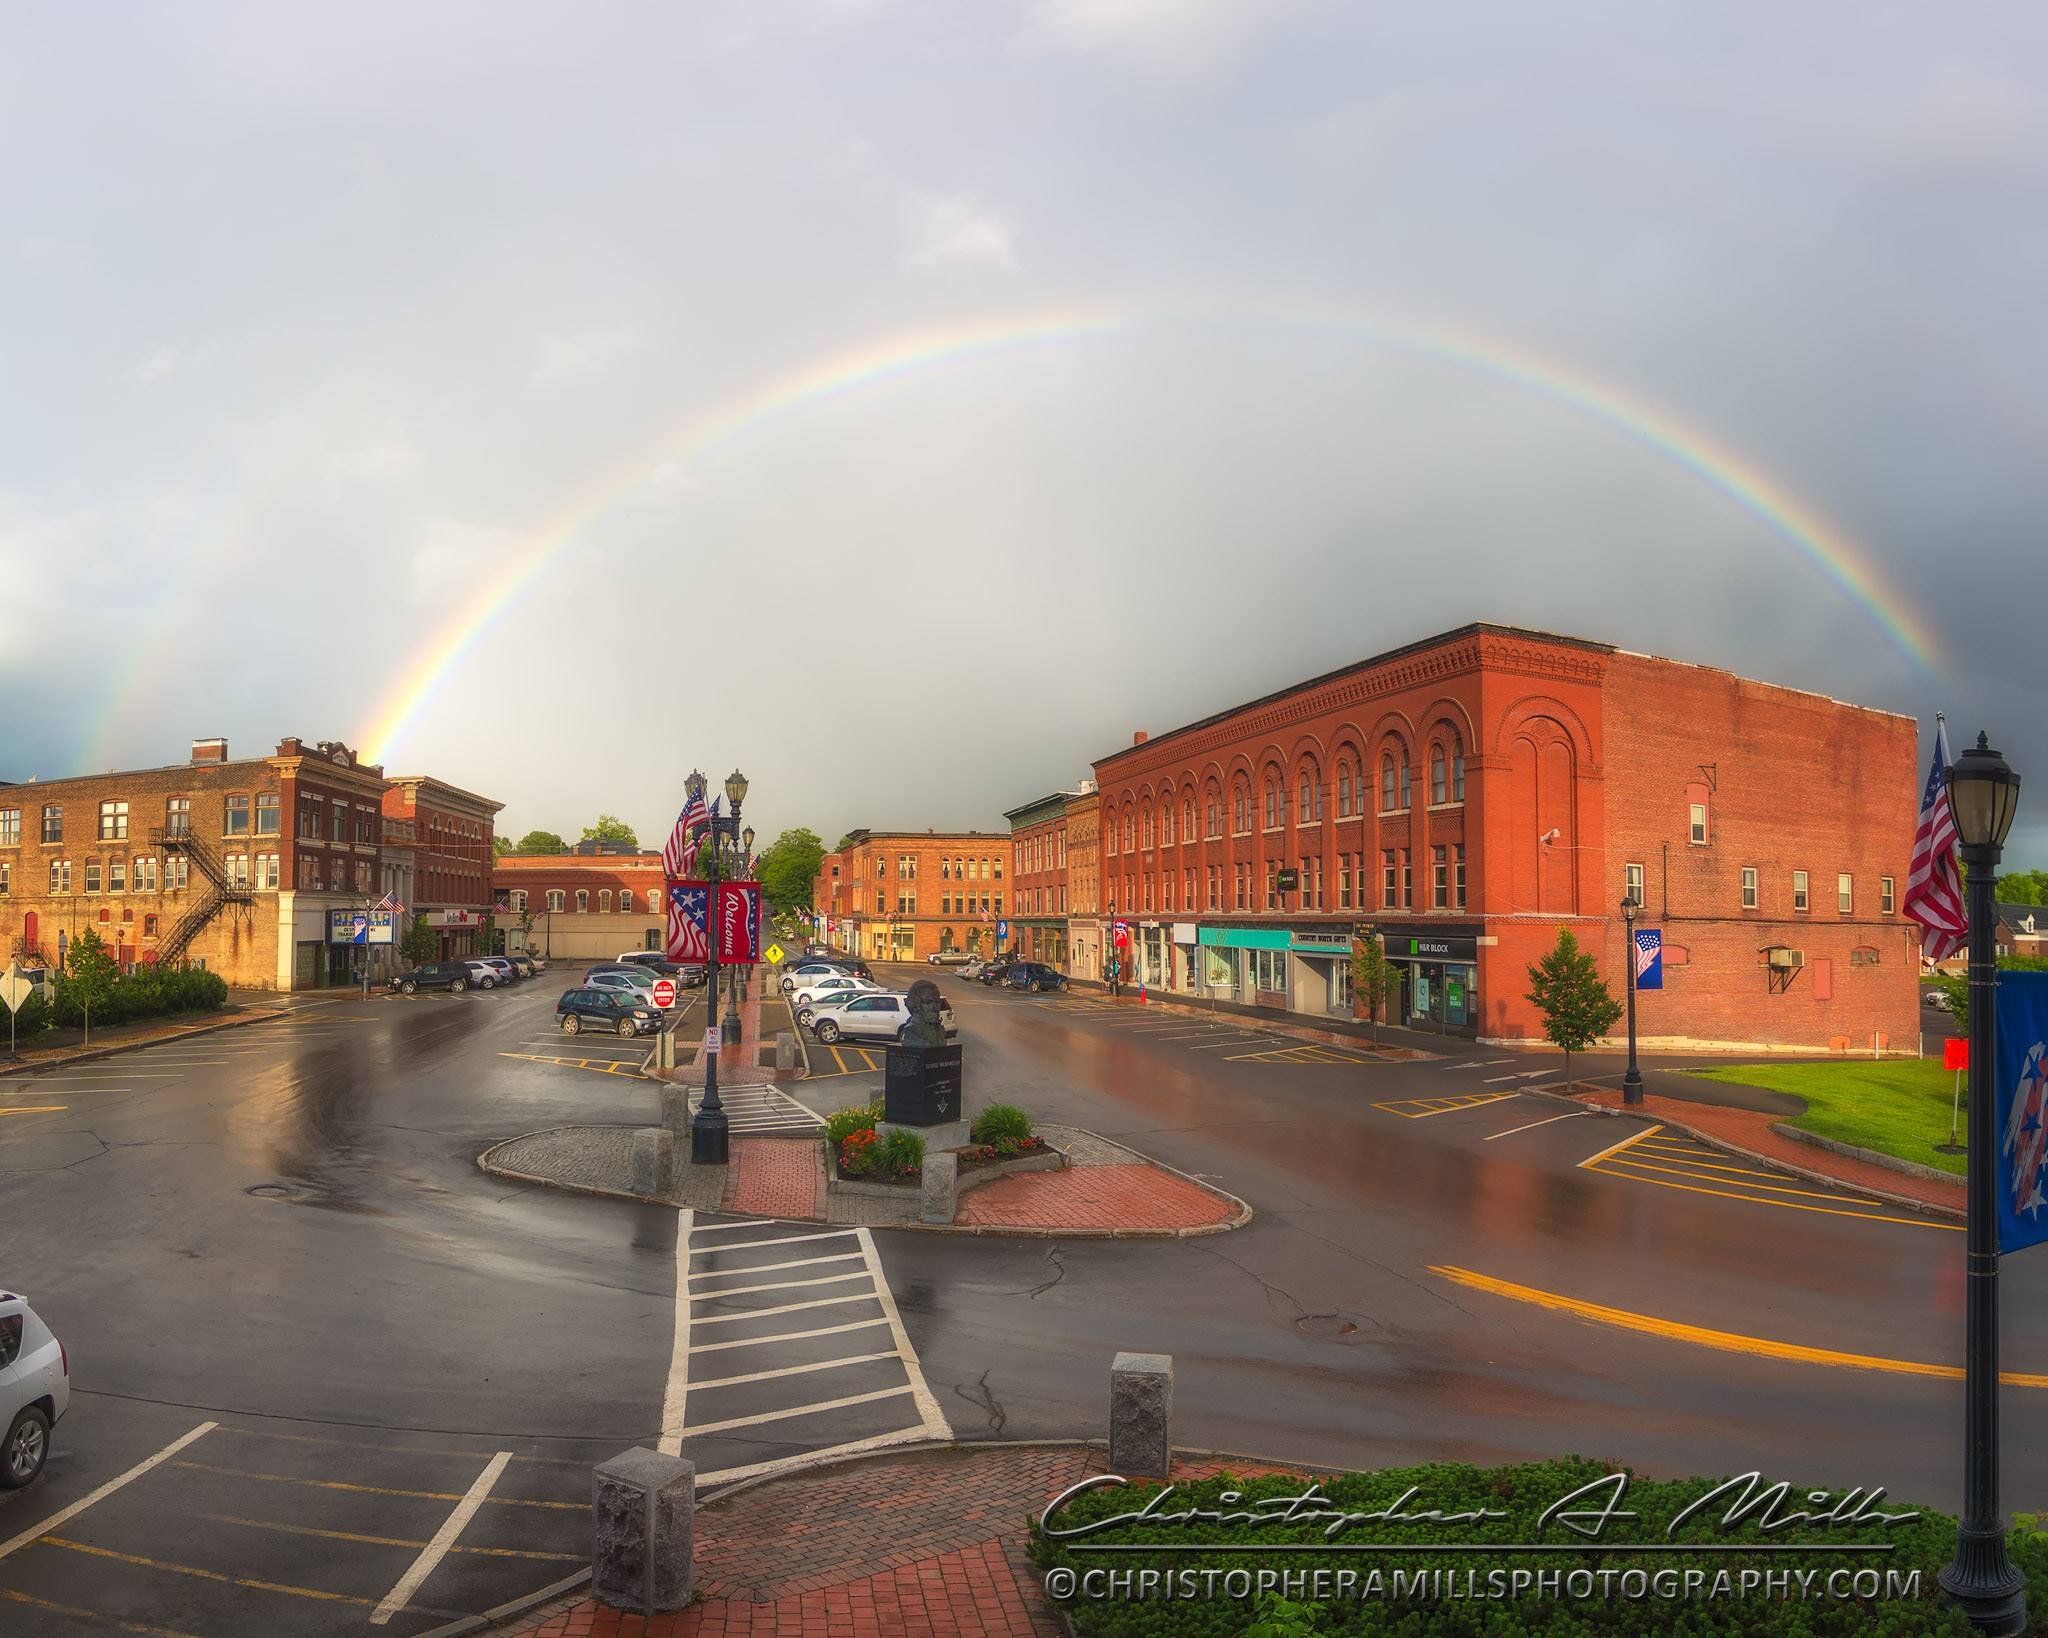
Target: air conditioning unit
<point>1784,959</point>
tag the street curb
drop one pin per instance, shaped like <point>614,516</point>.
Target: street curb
<point>142,1046</point>
<point>511,1610</point>
<point>1912,1168</point>
<point>1281,1026</point>
<point>512,1174</point>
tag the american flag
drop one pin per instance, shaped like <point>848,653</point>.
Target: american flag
<point>687,909</point>
<point>1649,946</point>
<point>680,850</point>
<point>1934,887</point>
<point>701,830</point>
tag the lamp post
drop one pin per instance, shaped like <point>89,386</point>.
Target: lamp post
<point>1632,1078</point>
<point>1983,795</point>
<point>710,1135</point>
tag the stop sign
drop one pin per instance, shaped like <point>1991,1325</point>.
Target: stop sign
<point>664,992</point>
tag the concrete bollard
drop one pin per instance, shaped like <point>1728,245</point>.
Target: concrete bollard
<point>675,1112</point>
<point>1141,1415</point>
<point>643,1531</point>
<point>653,1160</point>
<point>785,1050</point>
<point>941,1188</point>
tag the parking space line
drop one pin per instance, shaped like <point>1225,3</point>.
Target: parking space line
<point>1569,1114</point>
<point>92,1615</point>
<point>444,1538</point>
<point>390,1541</point>
<point>782,1308</point>
<point>251,1582</point>
<point>1688,1164</point>
<point>796,1370</point>
<point>375,1489</point>
<point>812,1409</point>
<point>1773,1188</point>
<point>1423,1108</point>
<point>874,1441</point>
<point>788,1336</point>
<point>66,1514</point>
<point>1616,1148</point>
<point>36,1109</point>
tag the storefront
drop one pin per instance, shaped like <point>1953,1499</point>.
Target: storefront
<point>1439,979</point>
<point>1321,979</point>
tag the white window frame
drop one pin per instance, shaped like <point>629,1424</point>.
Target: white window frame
<point>1750,889</point>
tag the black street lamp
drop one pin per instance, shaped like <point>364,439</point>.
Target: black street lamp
<point>710,1136</point>
<point>1632,1078</point>
<point>1983,795</point>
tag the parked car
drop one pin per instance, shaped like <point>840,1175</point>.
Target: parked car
<point>482,974</point>
<point>949,958</point>
<point>973,967</point>
<point>621,981</point>
<point>524,965</point>
<point>807,972</point>
<point>1937,999</point>
<point>827,986</point>
<point>435,975</point>
<point>35,1390</point>
<point>688,974</point>
<point>1033,975</point>
<point>623,1012</point>
<point>503,966</point>
<point>873,1017</point>
<point>992,971</point>
<point>809,1013</point>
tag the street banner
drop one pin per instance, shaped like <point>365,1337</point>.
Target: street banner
<point>2020,1108</point>
<point>739,921</point>
<point>688,903</point>
<point>1649,958</point>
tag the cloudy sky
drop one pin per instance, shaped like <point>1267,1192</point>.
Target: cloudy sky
<point>905,401</point>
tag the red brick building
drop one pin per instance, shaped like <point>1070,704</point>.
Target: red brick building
<point>906,895</point>
<point>452,853</point>
<point>1038,844</point>
<point>578,906</point>
<point>1466,796</point>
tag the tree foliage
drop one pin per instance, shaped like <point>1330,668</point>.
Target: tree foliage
<point>610,828</point>
<point>542,841</point>
<point>788,868</point>
<point>421,942</point>
<point>1566,988</point>
<point>2023,887</point>
<point>1374,979</point>
<point>1956,986</point>
<point>843,843</point>
<point>90,971</point>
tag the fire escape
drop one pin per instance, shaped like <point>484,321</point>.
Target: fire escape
<point>218,893</point>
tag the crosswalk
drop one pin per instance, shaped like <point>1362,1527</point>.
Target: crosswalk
<point>762,1111</point>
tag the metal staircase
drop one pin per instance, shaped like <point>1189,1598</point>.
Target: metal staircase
<point>219,892</point>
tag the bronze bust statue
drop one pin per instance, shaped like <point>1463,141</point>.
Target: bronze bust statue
<point>924,1028</point>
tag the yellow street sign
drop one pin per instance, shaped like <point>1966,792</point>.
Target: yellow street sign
<point>775,954</point>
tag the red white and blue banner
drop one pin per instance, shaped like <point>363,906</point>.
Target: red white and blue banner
<point>683,841</point>
<point>688,903</point>
<point>1649,958</point>
<point>739,921</point>
<point>2020,1108</point>
<point>1934,881</point>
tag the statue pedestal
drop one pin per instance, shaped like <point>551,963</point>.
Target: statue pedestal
<point>921,1086</point>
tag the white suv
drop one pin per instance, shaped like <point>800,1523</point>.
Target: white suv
<point>35,1388</point>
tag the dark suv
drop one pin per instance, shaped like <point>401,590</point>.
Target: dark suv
<point>435,975</point>
<point>1031,975</point>
<point>615,1010</point>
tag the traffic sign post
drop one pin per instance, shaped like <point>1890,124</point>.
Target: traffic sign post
<point>712,1039</point>
<point>14,989</point>
<point>664,992</point>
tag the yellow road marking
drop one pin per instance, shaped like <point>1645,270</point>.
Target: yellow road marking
<point>92,1615</point>
<point>35,1109</point>
<point>206,1575</point>
<point>1423,1108</point>
<point>1616,1148</point>
<point>404,1450</point>
<point>597,1066</point>
<point>1732,1342</point>
<point>1696,1169</point>
<point>384,1541</point>
<point>376,1490</point>
<point>1788,1205</point>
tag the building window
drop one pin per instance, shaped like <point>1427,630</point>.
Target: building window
<point>582,901</point>
<point>1696,820</point>
<point>1343,880</point>
<point>178,815</point>
<point>1799,890</point>
<point>1845,893</point>
<point>1748,887</point>
<point>366,823</point>
<point>554,898</point>
<point>604,901</point>
<point>1440,874</point>
<point>1272,803</point>
<point>53,823</point>
<point>310,869</point>
<point>626,901</point>
<point>10,827</point>
<point>266,813</point>
<point>117,875</point>
<point>146,874</point>
<point>1407,881</point>
<point>92,876</point>
<point>60,875</point>
<point>1390,883</point>
<point>1439,785</point>
<point>1343,787</point>
<point>1632,882</point>
<point>1457,771</point>
<point>177,872</point>
<point>1458,874</point>
<point>338,818</point>
<point>238,869</point>
<point>113,821</point>
<point>1884,895</point>
<point>235,818</point>
<point>267,874</point>
<point>6,875</point>
<point>1387,777</point>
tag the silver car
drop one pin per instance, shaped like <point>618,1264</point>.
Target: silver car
<point>35,1389</point>
<point>873,1018</point>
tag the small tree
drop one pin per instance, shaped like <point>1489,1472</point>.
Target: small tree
<point>1567,989</point>
<point>1373,980</point>
<point>421,942</point>
<point>541,841</point>
<point>610,828</point>
<point>90,974</point>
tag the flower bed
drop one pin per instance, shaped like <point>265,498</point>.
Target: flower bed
<point>976,1156</point>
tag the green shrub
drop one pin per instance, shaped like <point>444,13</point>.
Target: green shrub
<point>148,992</point>
<point>1001,1120</point>
<point>899,1154</point>
<point>1923,1544</point>
<point>841,1124</point>
<point>31,1019</point>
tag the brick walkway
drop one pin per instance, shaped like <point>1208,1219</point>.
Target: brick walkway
<point>1747,1130</point>
<point>933,1542</point>
<point>1102,1197</point>
<point>775,1177</point>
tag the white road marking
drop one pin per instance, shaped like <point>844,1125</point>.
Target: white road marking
<point>928,1411</point>
<point>783,1240</point>
<point>65,1515</point>
<point>783,1308</point>
<point>1519,1075</point>
<point>811,1409</point>
<point>771,1268</point>
<point>795,1370</point>
<point>875,1441</point>
<point>444,1538</point>
<point>1240,1040</point>
<point>788,1336</point>
<point>1616,1148</point>
<point>675,1397</point>
<point>1569,1114</point>
<point>720,1228</point>
<point>774,1285</point>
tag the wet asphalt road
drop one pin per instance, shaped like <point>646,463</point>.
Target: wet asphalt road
<point>281,1231</point>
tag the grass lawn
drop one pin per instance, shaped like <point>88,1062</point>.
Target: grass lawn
<point>1897,1106</point>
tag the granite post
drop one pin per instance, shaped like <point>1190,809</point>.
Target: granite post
<point>675,1112</point>
<point>653,1160</point>
<point>1141,1415</point>
<point>940,1190</point>
<point>643,1531</point>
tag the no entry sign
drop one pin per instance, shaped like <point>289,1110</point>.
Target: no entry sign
<point>664,992</point>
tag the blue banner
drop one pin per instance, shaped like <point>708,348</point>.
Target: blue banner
<point>2020,1109</point>
<point>1649,958</point>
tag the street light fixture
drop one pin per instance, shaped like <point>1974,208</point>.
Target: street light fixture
<point>710,1136</point>
<point>1632,1078</point>
<point>1983,795</point>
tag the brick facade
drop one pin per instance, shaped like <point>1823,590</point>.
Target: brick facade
<point>1039,886</point>
<point>1468,795</point>
<point>580,907</point>
<point>452,855</point>
<point>1084,876</point>
<point>906,895</point>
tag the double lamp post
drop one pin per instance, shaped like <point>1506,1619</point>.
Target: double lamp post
<point>710,1137</point>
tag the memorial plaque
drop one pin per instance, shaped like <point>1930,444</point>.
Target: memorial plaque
<point>921,1086</point>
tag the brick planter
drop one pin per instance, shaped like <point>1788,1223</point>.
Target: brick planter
<point>1046,1160</point>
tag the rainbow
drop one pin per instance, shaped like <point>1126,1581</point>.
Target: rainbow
<point>1843,560</point>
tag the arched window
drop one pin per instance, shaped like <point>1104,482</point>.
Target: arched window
<point>626,900</point>
<point>604,901</point>
<point>1437,785</point>
<point>554,898</point>
<point>1272,801</point>
<point>1387,777</point>
<point>1301,807</point>
<point>582,900</point>
<point>1457,771</point>
<point>1187,817</point>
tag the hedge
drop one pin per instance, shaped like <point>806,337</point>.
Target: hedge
<point>1521,1492</point>
<point>144,993</point>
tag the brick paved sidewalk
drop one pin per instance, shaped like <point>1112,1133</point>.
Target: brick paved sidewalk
<point>1095,1197</point>
<point>775,1177</point>
<point>1750,1132</point>
<point>924,1543</point>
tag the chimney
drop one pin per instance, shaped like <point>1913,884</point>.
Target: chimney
<point>1140,737</point>
<point>208,751</point>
